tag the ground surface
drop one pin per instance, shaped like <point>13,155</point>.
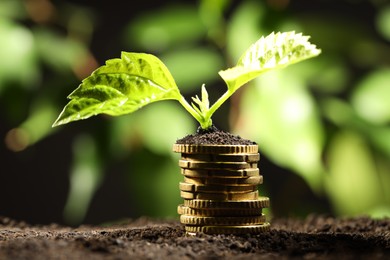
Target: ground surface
<point>316,237</point>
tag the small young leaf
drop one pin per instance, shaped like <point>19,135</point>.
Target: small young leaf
<point>120,87</point>
<point>203,104</point>
<point>274,51</point>
<point>205,98</point>
<point>198,108</point>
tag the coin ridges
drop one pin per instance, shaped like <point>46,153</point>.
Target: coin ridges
<point>220,173</point>
<point>261,202</point>
<point>237,230</point>
<point>190,187</point>
<point>222,221</point>
<point>216,149</point>
<point>216,165</point>
<point>255,180</point>
<point>222,157</point>
<point>218,212</point>
<point>219,196</point>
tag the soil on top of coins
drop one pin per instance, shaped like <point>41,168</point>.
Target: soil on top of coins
<point>214,136</point>
<point>316,237</point>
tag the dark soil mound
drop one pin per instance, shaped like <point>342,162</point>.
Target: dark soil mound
<point>214,136</point>
<point>316,237</point>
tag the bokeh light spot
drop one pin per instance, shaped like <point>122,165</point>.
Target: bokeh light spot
<point>17,139</point>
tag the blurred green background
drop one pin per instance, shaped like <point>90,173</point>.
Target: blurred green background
<point>322,125</point>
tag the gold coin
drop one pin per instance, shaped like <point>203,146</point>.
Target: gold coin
<point>221,173</point>
<point>256,180</point>
<point>222,221</point>
<point>219,196</point>
<point>237,230</point>
<point>215,149</point>
<point>216,165</point>
<point>222,157</point>
<point>216,212</point>
<point>261,202</point>
<point>190,187</point>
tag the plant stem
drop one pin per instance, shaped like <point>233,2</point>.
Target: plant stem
<point>218,103</point>
<point>200,118</point>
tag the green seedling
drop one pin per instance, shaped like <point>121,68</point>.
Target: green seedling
<point>125,85</point>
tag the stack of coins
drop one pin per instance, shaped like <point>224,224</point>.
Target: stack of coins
<point>220,189</point>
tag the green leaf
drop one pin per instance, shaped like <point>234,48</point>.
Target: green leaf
<point>120,87</point>
<point>274,51</point>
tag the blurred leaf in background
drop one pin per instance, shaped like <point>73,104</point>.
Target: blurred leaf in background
<point>19,61</point>
<point>44,51</point>
<point>353,176</point>
<point>370,99</point>
<point>282,117</point>
<point>85,178</point>
<point>163,29</point>
<point>27,51</point>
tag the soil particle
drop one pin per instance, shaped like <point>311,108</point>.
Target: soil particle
<point>214,136</point>
<point>316,237</point>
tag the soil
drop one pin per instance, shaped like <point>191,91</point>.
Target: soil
<point>214,136</point>
<point>316,237</point>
